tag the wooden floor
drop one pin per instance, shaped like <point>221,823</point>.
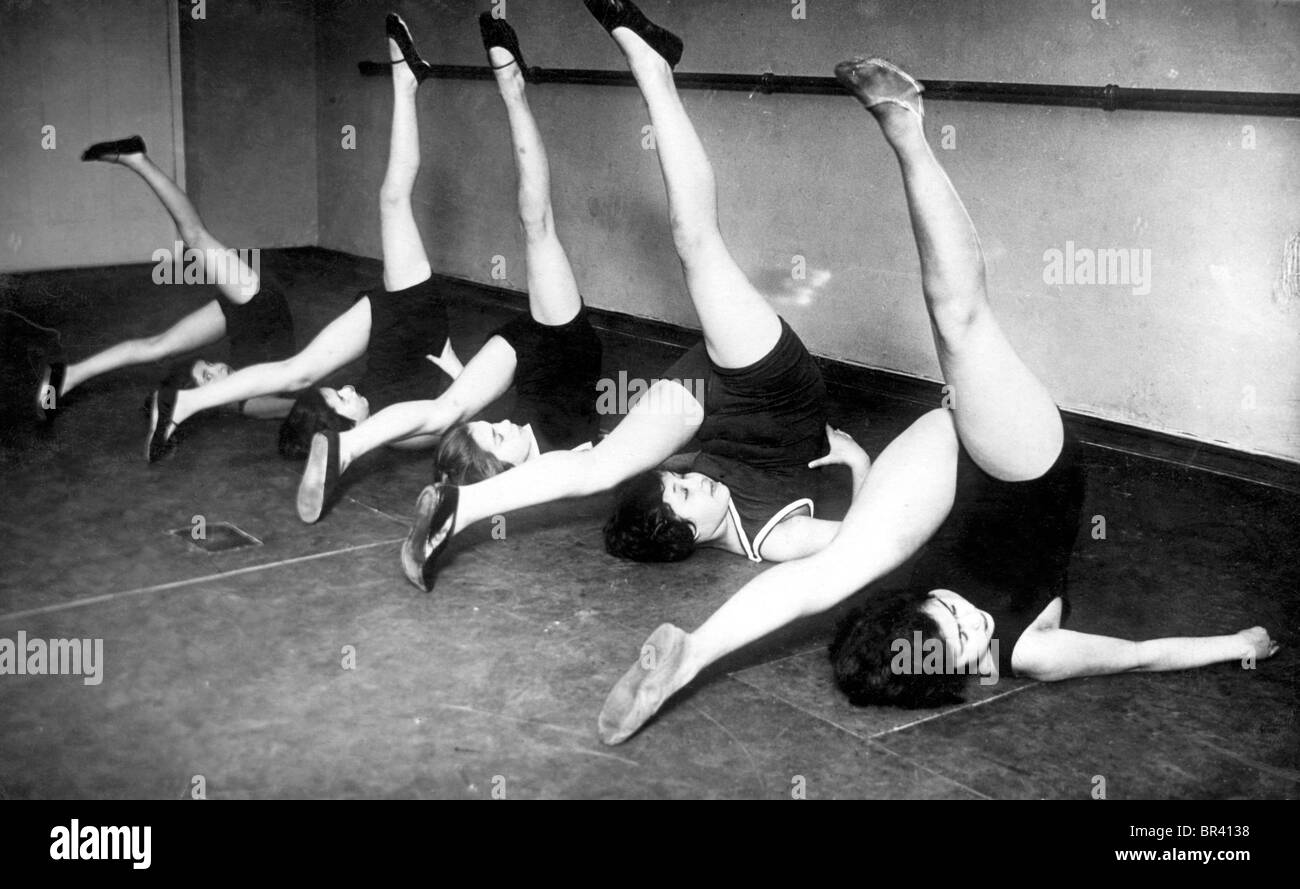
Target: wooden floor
<point>230,665</point>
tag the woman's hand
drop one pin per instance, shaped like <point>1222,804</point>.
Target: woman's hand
<point>448,361</point>
<point>1260,643</point>
<point>843,451</point>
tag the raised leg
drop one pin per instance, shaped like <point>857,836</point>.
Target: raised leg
<point>552,290</point>
<point>739,325</point>
<point>197,329</point>
<point>342,341</point>
<point>405,262</point>
<point>1006,418</point>
<point>236,280</point>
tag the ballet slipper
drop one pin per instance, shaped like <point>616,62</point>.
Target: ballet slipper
<point>435,518</point>
<point>401,35</point>
<point>644,688</point>
<point>879,82</point>
<point>161,439</point>
<point>111,151</point>
<point>50,389</point>
<point>320,479</point>
<point>624,14</point>
<point>497,32</point>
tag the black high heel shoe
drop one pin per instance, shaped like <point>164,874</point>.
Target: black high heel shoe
<point>497,32</point>
<point>435,519</point>
<point>112,150</point>
<point>401,35</point>
<point>624,14</point>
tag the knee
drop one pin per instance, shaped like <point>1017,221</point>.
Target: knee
<point>393,197</point>
<point>195,235</point>
<point>153,348</point>
<point>537,227</point>
<point>955,315</point>
<point>693,239</point>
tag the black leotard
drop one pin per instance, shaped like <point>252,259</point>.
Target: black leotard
<point>556,375</point>
<point>260,330</point>
<point>1006,546</point>
<point>763,424</point>
<point>405,326</point>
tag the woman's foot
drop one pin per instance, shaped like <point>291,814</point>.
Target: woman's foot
<point>624,14</point>
<point>162,427</point>
<point>435,521</point>
<point>112,152</point>
<point>50,389</point>
<point>501,43</point>
<point>657,675</point>
<point>320,479</point>
<point>881,85</point>
<point>401,36</point>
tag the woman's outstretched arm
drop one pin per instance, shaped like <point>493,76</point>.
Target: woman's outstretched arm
<point>481,382</point>
<point>1048,653</point>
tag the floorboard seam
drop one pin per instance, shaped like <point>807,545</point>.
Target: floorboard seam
<point>176,584</point>
<point>869,739</point>
<point>401,520</point>
<point>753,763</point>
<point>943,713</point>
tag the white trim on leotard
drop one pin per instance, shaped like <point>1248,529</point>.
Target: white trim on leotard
<point>753,551</point>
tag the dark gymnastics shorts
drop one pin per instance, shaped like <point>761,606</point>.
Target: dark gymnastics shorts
<point>556,375</point>
<point>762,426</point>
<point>1006,546</point>
<point>261,329</point>
<point>405,326</point>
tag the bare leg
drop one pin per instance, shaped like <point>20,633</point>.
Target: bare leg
<point>342,341</point>
<point>552,291</point>
<point>660,424</point>
<point>405,262</point>
<point>904,500</point>
<point>739,325</point>
<point>485,379</point>
<point>197,329</point>
<point>237,282</point>
<point>1005,417</point>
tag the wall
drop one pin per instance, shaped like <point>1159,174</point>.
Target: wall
<point>249,86</point>
<point>1210,352</point>
<point>91,71</point>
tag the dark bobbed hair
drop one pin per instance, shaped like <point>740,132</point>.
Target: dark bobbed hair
<point>861,654</point>
<point>310,414</point>
<point>645,529</point>
<point>461,461</point>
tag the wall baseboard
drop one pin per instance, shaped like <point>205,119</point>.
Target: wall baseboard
<point>845,377</point>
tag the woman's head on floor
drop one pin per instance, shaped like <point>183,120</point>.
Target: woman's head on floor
<point>472,452</point>
<point>915,649</point>
<point>320,410</point>
<point>662,516</point>
<point>193,374</point>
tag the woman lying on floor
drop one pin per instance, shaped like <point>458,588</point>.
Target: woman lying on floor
<point>395,328</point>
<point>251,310</point>
<point>761,420</point>
<point>552,357</point>
<point>995,485</point>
